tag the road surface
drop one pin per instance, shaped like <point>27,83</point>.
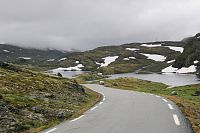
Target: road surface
<point>123,111</point>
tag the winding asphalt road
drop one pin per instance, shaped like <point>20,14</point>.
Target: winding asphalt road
<point>123,111</point>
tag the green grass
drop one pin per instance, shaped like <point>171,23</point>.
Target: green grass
<point>35,101</point>
<point>119,68</point>
<point>136,85</point>
<point>185,99</point>
<point>83,78</point>
<point>156,67</point>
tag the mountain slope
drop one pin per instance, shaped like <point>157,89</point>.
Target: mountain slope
<point>32,100</point>
<point>28,56</point>
<point>191,53</point>
<point>140,57</point>
<point>130,57</point>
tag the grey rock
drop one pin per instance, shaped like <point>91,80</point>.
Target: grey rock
<point>174,93</point>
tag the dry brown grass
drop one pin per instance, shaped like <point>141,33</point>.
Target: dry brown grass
<point>191,112</point>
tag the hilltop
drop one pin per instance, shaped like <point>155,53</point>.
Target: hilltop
<point>146,57</point>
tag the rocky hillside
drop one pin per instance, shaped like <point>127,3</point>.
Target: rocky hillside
<point>34,101</point>
<point>140,57</point>
<point>191,53</point>
<point>153,56</point>
<point>28,56</point>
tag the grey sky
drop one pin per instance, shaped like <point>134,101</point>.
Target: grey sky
<point>85,24</point>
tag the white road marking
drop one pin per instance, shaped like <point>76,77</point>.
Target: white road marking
<point>77,118</point>
<point>101,103</point>
<point>170,106</point>
<point>93,108</point>
<point>164,100</point>
<point>51,130</point>
<point>176,120</point>
<point>157,96</point>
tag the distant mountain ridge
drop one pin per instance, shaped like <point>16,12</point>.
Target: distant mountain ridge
<point>132,57</point>
<point>28,56</point>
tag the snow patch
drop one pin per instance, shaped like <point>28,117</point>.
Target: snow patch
<point>170,61</point>
<point>169,69</point>
<point>25,58</point>
<point>108,60</point>
<point>6,51</point>
<point>62,59</point>
<point>182,70</point>
<point>126,59</point>
<point>196,61</point>
<point>155,57</point>
<point>189,69</point>
<point>98,63</point>
<point>75,68</point>
<point>77,62</point>
<point>129,58</point>
<point>198,37</point>
<point>151,45</point>
<point>179,49</point>
<point>51,60</point>
<point>132,49</point>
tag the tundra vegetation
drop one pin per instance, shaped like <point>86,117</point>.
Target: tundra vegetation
<point>31,101</point>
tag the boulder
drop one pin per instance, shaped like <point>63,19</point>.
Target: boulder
<point>101,82</point>
<point>174,93</point>
<point>197,93</point>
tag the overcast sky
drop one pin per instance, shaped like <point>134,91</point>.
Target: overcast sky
<point>86,24</point>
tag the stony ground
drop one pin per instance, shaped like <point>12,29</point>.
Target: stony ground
<point>33,101</point>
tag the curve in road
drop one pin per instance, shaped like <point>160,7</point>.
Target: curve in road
<point>123,111</point>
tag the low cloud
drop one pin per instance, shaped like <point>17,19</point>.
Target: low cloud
<point>86,24</point>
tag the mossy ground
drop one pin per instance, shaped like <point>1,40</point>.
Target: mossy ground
<point>89,77</point>
<point>32,101</point>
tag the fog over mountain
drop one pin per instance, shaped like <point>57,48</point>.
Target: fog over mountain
<point>85,24</point>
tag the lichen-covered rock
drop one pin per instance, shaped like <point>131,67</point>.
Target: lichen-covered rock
<point>174,93</point>
<point>7,121</point>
